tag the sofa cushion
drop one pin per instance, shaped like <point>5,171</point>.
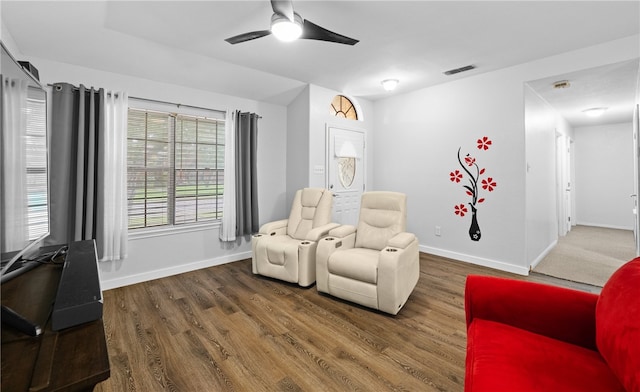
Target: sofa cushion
<point>505,358</point>
<point>382,216</point>
<point>311,208</point>
<point>280,249</point>
<point>357,263</point>
<point>618,324</point>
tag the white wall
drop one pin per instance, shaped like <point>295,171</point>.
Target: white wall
<point>307,120</point>
<point>8,41</point>
<point>164,254</point>
<point>541,200</point>
<point>417,135</point>
<point>297,145</point>
<point>604,175</point>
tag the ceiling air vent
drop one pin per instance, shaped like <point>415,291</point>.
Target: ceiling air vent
<point>562,84</point>
<point>458,70</point>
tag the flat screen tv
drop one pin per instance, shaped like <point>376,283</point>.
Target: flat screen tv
<point>24,185</point>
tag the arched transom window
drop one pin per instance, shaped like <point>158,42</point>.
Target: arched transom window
<point>342,106</point>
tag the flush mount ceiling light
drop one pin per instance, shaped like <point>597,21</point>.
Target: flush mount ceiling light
<point>284,29</point>
<point>390,84</point>
<point>594,112</point>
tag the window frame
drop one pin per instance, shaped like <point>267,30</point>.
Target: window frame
<point>175,110</point>
<point>339,111</point>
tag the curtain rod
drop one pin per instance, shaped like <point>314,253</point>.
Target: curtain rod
<point>178,104</point>
<point>167,103</point>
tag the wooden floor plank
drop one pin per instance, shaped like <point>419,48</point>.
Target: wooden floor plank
<point>225,329</point>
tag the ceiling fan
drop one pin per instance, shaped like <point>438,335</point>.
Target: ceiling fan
<point>288,25</point>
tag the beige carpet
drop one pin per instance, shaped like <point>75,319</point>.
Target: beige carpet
<point>588,254</point>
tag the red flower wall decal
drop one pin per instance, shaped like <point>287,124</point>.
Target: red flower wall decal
<point>473,172</point>
<point>460,210</point>
<point>456,176</point>
<point>484,143</point>
<point>488,184</point>
<point>469,160</point>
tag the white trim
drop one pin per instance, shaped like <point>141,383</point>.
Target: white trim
<point>629,228</point>
<point>542,255</point>
<point>159,231</point>
<point>165,272</point>
<point>499,265</point>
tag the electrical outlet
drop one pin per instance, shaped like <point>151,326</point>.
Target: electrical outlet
<point>438,231</point>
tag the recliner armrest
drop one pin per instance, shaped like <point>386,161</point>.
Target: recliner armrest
<point>401,240</point>
<point>342,231</point>
<point>320,231</point>
<point>341,237</point>
<point>278,227</point>
<point>398,273</point>
<point>556,312</point>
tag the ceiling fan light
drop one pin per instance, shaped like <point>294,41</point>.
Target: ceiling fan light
<point>594,112</point>
<point>284,29</point>
<point>390,84</point>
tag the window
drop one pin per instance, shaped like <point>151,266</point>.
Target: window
<point>36,162</point>
<point>342,106</point>
<point>175,168</point>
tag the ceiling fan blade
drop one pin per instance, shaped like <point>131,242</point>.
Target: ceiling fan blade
<point>313,31</point>
<point>247,36</point>
<point>283,7</point>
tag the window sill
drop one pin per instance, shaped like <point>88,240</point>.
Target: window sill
<point>150,232</point>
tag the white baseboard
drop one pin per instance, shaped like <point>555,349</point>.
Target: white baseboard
<point>543,255</point>
<point>179,269</point>
<point>630,228</point>
<point>499,265</point>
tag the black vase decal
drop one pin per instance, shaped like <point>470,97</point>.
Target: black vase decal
<point>472,188</point>
<point>474,229</point>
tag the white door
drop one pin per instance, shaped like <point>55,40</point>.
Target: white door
<point>346,173</point>
<point>563,183</point>
<point>636,179</point>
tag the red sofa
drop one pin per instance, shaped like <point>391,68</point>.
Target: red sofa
<point>526,336</point>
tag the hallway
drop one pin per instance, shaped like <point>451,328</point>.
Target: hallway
<point>588,254</point>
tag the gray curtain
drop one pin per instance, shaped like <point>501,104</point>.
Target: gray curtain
<point>77,124</point>
<point>246,133</point>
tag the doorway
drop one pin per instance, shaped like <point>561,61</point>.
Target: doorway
<point>614,88</point>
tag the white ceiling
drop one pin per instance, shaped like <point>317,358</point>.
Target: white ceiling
<point>612,86</point>
<point>182,42</point>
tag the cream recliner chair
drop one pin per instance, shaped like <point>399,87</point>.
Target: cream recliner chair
<point>286,249</point>
<point>376,264</point>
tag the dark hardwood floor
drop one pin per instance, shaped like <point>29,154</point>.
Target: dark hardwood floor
<point>224,329</point>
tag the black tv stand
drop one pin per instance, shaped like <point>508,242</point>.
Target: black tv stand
<point>50,361</point>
